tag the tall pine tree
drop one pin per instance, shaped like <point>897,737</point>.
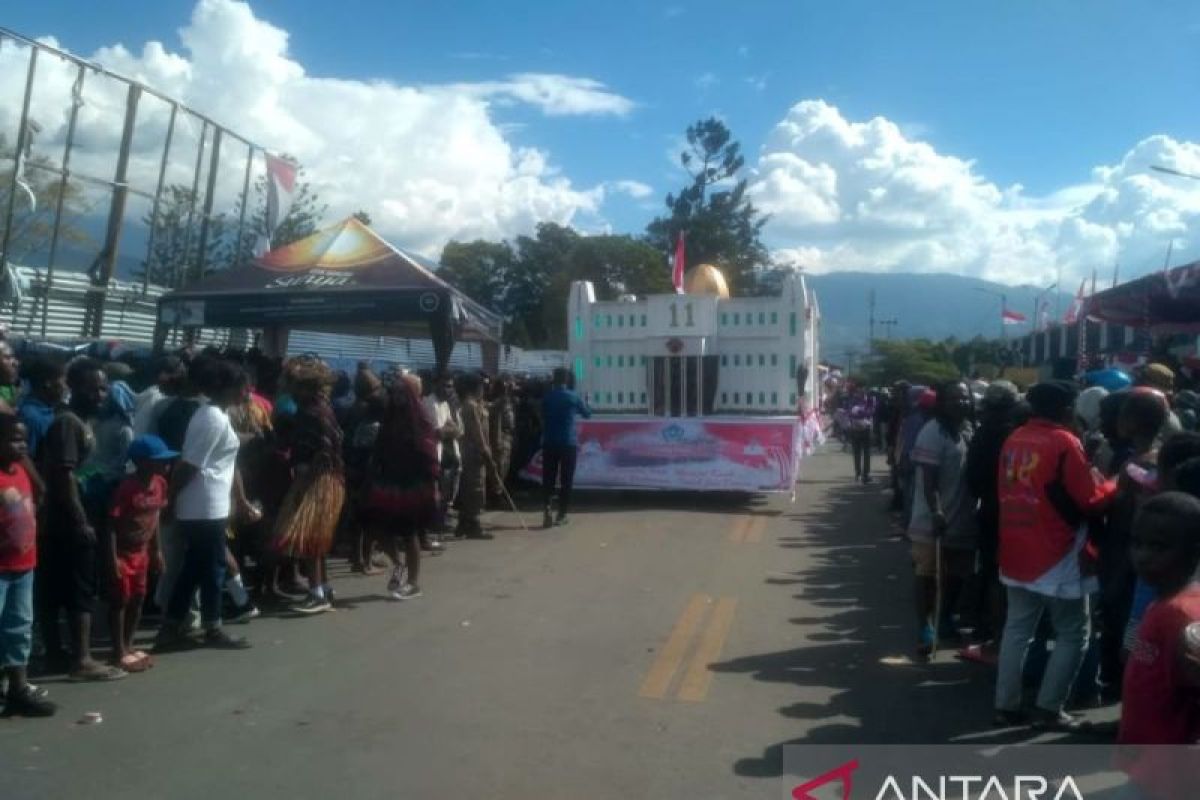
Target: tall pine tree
<point>720,224</point>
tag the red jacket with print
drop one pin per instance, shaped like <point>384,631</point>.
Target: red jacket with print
<point>1042,469</point>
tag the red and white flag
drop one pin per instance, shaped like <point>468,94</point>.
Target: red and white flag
<point>281,184</point>
<point>1010,317</point>
<point>1076,308</point>
<point>677,266</point>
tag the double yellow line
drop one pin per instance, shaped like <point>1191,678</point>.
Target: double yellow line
<point>693,687</point>
<point>748,530</point>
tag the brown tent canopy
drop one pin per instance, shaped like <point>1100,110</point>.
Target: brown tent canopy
<point>344,278</point>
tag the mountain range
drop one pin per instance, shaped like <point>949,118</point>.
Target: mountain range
<point>924,305</point>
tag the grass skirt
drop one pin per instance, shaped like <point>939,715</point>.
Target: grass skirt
<point>309,516</point>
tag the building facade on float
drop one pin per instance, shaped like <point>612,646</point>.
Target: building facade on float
<point>697,354</point>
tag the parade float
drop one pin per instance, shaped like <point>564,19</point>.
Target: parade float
<point>696,390</point>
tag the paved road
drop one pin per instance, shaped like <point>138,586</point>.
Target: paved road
<point>661,646</point>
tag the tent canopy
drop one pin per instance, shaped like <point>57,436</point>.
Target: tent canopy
<point>345,278</point>
<point>1166,302</point>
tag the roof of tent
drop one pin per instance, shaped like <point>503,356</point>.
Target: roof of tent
<point>1167,301</point>
<point>344,278</point>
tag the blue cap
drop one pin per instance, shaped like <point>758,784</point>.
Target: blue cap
<point>150,448</point>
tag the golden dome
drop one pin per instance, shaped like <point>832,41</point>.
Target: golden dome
<point>706,279</point>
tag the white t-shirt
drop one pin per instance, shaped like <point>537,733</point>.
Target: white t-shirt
<point>210,445</point>
<point>439,413</point>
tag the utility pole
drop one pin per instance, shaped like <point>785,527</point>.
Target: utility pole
<point>871,323</point>
<point>887,325</point>
<point>852,354</point>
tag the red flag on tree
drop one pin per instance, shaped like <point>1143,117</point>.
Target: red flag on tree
<point>677,267</point>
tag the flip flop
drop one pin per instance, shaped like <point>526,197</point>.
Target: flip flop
<point>131,664</point>
<point>975,654</point>
<point>144,656</point>
<point>97,673</point>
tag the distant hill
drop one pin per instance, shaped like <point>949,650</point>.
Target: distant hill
<point>932,306</point>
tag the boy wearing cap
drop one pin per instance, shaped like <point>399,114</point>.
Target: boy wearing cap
<point>136,506</point>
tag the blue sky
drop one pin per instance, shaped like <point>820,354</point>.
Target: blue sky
<point>1030,94</point>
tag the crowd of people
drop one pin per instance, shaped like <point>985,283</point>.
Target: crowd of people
<point>224,485</point>
<point>1054,536</point>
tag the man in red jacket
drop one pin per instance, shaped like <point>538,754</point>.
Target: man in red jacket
<point>1047,490</point>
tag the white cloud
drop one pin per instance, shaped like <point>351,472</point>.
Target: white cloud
<point>706,81</point>
<point>635,189</point>
<point>555,95</point>
<point>758,82</point>
<point>428,162</point>
<point>864,195</point>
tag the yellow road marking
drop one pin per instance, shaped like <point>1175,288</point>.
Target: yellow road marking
<point>694,687</point>
<point>754,533</point>
<point>658,679</point>
<point>741,527</point>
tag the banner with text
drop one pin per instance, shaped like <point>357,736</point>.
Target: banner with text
<point>752,455</point>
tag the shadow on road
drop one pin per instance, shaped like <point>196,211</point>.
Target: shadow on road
<point>599,501</point>
<point>854,674</point>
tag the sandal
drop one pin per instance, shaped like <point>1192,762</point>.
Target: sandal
<point>97,672</point>
<point>978,654</point>
<point>131,664</point>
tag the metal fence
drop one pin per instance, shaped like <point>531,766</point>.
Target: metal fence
<point>107,183</point>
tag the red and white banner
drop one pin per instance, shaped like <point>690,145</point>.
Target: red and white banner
<point>750,455</point>
<point>1011,317</point>
<point>677,266</point>
<point>281,184</point>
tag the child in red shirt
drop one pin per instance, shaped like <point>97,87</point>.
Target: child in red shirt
<point>1161,697</point>
<point>136,506</point>
<point>18,557</point>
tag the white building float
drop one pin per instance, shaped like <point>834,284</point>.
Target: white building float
<point>695,391</point>
<point>697,354</point>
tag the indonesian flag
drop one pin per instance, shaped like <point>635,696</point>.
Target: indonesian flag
<point>1011,317</point>
<point>1076,308</point>
<point>281,183</point>
<point>677,266</point>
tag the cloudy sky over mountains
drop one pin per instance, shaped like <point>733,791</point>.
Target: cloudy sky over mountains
<point>1008,143</point>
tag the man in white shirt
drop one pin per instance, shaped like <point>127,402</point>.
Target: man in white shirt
<point>201,490</point>
<point>448,428</point>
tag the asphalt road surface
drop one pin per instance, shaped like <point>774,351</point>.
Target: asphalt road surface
<point>661,646</point>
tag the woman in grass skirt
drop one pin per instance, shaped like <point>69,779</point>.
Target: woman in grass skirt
<point>308,519</point>
<point>400,499</point>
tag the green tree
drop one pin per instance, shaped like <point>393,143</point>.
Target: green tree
<point>720,224</point>
<point>916,360</point>
<point>479,269</point>
<point>304,218</point>
<point>33,223</point>
<point>174,254</point>
<point>977,355</point>
<point>540,259</point>
<point>528,280</point>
